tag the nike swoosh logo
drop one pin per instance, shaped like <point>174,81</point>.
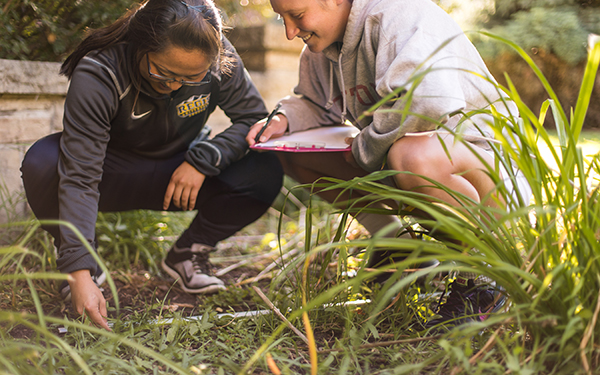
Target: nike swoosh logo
<point>137,117</point>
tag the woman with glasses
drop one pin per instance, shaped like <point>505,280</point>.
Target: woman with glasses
<point>134,137</point>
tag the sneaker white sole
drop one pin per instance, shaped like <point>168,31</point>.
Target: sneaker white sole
<point>206,290</point>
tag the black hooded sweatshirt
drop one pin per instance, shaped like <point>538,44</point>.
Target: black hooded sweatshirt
<point>104,109</point>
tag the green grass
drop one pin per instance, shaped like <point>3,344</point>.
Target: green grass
<point>543,253</point>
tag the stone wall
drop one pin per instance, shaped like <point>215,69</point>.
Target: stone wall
<point>31,106</point>
<point>32,97</point>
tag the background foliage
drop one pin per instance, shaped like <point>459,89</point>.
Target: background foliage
<point>48,30</point>
<point>544,254</point>
<point>560,27</point>
<point>554,34</point>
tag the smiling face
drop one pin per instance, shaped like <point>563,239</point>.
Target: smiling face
<point>319,23</point>
<point>174,63</point>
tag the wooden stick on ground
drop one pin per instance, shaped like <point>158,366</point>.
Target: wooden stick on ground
<point>279,314</point>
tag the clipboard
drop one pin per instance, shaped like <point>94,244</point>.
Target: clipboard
<point>322,139</point>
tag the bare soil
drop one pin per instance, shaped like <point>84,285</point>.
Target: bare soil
<point>137,289</point>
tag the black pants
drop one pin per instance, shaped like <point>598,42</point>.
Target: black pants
<point>226,203</point>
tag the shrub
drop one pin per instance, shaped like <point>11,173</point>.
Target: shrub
<point>531,30</point>
<point>48,30</point>
<point>554,26</point>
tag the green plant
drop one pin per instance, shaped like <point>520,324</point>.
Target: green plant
<point>553,26</point>
<point>543,253</point>
<point>138,238</point>
<point>49,30</point>
<point>141,343</point>
<point>530,30</point>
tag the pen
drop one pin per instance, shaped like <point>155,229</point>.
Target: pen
<point>269,118</point>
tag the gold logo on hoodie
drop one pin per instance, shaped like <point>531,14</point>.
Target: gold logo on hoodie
<point>193,106</point>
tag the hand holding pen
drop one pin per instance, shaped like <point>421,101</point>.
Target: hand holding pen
<point>269,118</point>
<point>276,127</point>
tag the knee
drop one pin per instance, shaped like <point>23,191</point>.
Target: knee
<point>41,160</point>
<point>404,156</point>
<point>417,160</point>
<point>267,176</point>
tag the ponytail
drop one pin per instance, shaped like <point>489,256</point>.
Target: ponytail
<point>97,40</point>
<point>153,26</point>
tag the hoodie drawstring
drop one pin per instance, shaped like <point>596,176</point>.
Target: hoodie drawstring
<point>343,89</point>
<point>330,101</point>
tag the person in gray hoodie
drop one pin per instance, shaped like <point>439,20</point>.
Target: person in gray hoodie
<point>360,51</point>
<point>134,137</point>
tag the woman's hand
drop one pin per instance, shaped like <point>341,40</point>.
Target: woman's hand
<point>184,186</point>
<point>348,156</point>
<point>87,298</point>
<point>276,128</point>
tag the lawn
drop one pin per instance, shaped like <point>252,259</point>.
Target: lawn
<point>161,329</point>
<point>298,300</point>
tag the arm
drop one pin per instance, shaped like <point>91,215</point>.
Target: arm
<point>457,80</point>
<point>427,82</point>
<point>90,103</point>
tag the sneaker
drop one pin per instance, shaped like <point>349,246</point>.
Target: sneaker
<point>65,289</point>
<point>192,269</point>
<point>467,302</point>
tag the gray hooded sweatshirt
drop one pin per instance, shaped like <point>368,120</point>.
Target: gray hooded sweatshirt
<point>396,46</point>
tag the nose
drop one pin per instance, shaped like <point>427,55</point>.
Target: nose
<point>174,85</point>
<point>291,30</point>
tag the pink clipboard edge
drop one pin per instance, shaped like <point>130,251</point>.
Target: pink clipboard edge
<point>299,149</point>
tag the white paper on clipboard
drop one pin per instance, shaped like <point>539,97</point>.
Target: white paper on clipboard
<point>322,139</point>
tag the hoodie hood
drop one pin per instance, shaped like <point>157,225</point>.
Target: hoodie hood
<point>354,30</point>
<point>336,52</point>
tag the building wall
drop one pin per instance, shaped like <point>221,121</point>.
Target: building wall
<point>32,97</point>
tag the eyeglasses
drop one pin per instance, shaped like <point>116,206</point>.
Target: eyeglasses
<point>167,80</point>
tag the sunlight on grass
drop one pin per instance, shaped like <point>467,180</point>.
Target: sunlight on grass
<point>589,143</point>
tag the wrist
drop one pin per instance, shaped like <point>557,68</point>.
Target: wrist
<point>79,276</point>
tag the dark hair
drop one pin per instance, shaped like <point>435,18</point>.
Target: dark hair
<point>154,25</point>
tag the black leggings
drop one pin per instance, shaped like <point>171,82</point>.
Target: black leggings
<point>226,203</point>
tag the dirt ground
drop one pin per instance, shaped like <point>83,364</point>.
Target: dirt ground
<point>137,289</point>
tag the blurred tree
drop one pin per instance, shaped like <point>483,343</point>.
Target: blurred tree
<point>554,33</point>
<point>245,12</point>
<point>559,27</point>
<point>48,30</point>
